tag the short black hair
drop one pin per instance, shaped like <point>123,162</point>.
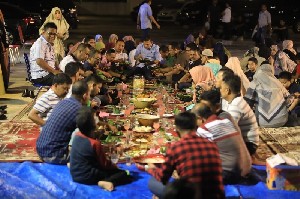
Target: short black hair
<point>120,40</point>
<point>285,75</point>
<point>88,38</point>
<point>253,59</point>
<point>85,121</point>
<point>50,25</point>
<point>110,51</point>
<point>93,52</point>
<point>79,88</point>
<point>212,96</point>
<point>186,121</point>
<point>164,48</point>
<point>204,111</point>
<point>174,45</point>
<point>233,82</point>
<point>192,46</point>
<point>93,78</point>
<point>226,71</point>
<point>61,78</point>
<point>72,68</point>
<point>147,39</point>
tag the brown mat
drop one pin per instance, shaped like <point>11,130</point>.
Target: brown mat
<point>279,140</point>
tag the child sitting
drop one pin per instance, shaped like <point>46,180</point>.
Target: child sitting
<point>252,65</point>
<point>88,162</point>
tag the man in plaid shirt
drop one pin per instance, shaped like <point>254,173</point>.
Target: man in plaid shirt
<point>194,158</point>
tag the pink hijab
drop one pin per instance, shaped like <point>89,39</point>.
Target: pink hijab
<point>201,74</point>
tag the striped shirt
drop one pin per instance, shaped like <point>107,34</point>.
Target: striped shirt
<point>45,104</point>
<point>41,49</point>
<point>244,116</point>
<point>233,152</point>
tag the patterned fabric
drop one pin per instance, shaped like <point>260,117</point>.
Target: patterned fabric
<point>52,144</point>
<point>41,49</point>
<point>45,104</point>
<point>196,159</point>
<point>268,94</point>
<point>244,116</point>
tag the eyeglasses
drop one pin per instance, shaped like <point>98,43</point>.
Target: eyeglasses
<point>52,33</point>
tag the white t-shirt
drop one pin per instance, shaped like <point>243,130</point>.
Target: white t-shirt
<point>226,18</point>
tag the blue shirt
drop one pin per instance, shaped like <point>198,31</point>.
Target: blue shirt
<point>145,12</point>
<point>56,133</point>
<point>151,54</point>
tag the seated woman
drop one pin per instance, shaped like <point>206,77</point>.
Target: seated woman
<point>203,80</point>
<point>269,97</point>
<point>235,65</point>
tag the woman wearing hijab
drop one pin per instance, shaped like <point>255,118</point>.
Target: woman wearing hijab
<point>203,80</point>
<point>99,42</point>
<point>281,61</point>
<point>62,31</point>
<point>288,48</point>
<point>235,65</point>
<point>112,40</point>
<point>270,98</point>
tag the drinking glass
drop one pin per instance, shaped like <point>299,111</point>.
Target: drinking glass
<point>127,125</point>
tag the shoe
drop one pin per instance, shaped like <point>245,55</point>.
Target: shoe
<point>31,94</point>
<point>3,111</point>
<point>3,107</point>
<point>3,117</point>
<point>26,93</point>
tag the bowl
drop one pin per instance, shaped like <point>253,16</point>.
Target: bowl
<point>147,120</point>
<point>142,102</point>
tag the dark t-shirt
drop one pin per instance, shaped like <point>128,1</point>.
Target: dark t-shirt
<point>294,88</point>
<point>249,74</point>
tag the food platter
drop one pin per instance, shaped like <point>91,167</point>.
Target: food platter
<point>143,129</point>
<point>167,115</point>
<point>151,158</point>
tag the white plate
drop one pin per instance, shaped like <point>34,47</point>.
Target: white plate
<point>116,114</point>
<point>168,115</point>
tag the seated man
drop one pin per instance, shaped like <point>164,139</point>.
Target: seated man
<point>88,161</point>
<point>236,161</point>
<point>75,72</point>
<point>239,109</point>
<point>52,143</point>
<point>79,55</point>
<point>194,158</point>
<point>108,65</point>
<point>252,66</point>
<point>42,57</point>
<point>146,52</point>
<point>44,105</point>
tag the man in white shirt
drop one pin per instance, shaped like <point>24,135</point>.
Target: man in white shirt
<point>226,21</point>
<point>79,55</point>
<point>241,112</point>
<point>42,57</point>
<point>264,24</point>
<point>145,19</point>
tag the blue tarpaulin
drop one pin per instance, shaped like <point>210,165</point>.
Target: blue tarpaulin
<point>41,180</point>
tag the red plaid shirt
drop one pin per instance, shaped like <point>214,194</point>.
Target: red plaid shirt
<point>196,159</point>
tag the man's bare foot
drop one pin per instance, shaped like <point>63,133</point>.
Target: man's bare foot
<point>68,164</point>
<point>106,185</point>
<point>154,197</point>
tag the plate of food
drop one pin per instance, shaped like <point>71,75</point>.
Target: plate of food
<point>117,114</point>
<point>143,129</point>
<point>150,159</point>
<point>168,115</point>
